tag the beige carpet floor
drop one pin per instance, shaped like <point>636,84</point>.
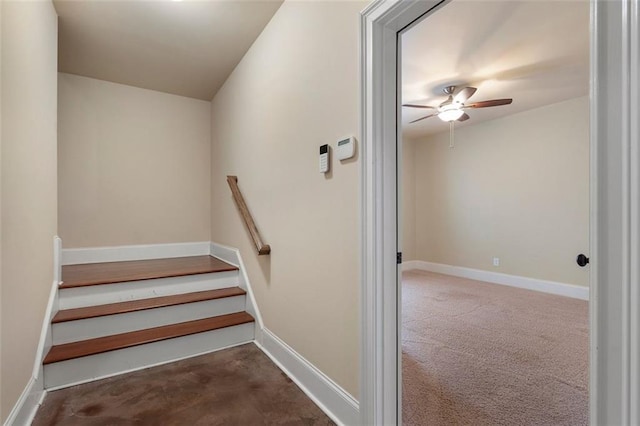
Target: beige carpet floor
<point>476,353</point>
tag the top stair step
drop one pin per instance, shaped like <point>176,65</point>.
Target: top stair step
<point>117,272</point>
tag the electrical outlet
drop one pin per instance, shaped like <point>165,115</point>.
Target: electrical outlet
<point>496,261</point>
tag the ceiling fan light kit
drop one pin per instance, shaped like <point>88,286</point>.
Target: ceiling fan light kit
<point>453,108</point>
<point>450,112</point>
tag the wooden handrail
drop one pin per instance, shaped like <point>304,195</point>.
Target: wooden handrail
<point>246,216</point>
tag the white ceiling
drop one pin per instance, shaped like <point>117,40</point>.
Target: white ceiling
<point>536,52</point>
<point>187,48</point>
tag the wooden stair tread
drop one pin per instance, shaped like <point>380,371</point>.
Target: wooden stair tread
<point>134,338</point>
<point>117,272</point>
<point>143,304</point>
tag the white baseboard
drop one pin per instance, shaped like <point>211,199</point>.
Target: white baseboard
<point>78,256</point>
<point>27,405</point>
<point>552,287</point>
<point>57,259</point>
<point>46,341</point>
<point>337,403</point>
<point>232,255</point>
<point>410,265</point>
<point>226,253</point>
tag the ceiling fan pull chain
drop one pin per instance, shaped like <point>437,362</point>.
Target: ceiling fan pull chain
<point>451,134</point>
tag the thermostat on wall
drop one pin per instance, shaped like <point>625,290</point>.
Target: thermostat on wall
<point>324,158</point>
<point>346,148</point>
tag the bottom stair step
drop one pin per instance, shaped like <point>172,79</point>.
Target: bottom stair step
<point>87,360</point>
<point>125,340</point>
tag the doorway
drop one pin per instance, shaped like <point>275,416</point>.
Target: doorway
<point>494,212</point>
<point>614,222</point>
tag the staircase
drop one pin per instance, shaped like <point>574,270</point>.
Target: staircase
<point>122,316</point>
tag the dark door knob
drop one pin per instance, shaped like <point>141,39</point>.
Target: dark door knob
<point>582,260</point>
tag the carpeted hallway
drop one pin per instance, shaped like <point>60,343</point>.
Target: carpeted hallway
<point>476,353</point>
<point>236,386</point>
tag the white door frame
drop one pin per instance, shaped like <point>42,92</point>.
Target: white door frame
<point>615,210</point>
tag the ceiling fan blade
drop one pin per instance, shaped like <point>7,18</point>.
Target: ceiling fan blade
<point>426,116</point>
<point>418,106</point>
<point>491,103</point>
<point>464,117</point>
<point>447,102</point>
<point>464,94</point>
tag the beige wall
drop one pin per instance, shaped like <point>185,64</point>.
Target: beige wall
<point>134,165</point>
<point>28,181</point>
<point>514,188</point>
<point>408,201</point>
<point>296,89</point>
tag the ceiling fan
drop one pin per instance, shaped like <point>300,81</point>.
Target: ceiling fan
<point>453,108</point>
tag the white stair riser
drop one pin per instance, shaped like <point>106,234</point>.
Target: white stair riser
<point>79,297</point>
<point>73,331</point>
<point>81,370</point>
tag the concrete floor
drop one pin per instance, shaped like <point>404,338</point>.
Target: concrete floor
<point>237,386</point>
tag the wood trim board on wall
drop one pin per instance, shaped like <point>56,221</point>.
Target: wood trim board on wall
<point>380,365</point>
<point>77,256</point>
<point>24,410</point>
<point>337,403</point>
<point>544,286</point>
